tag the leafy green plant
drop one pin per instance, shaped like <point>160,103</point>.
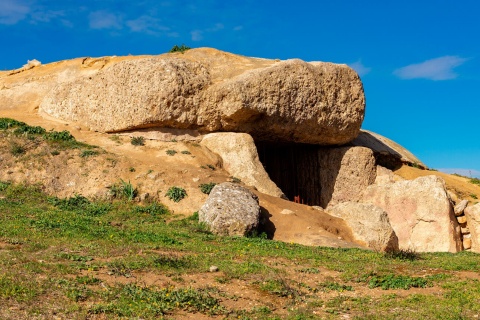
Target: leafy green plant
<point>138,141</point>
<point>186,152</point>
<point>176,193</point>
<point>392,281</point>
<point>171,152</point>
<point>131,169</point>
<point>207,187</point>
<point>473,195</point>
<point>181,48</point>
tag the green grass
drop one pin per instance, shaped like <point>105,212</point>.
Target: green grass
<point>171,152</point>
<point>77,258</point>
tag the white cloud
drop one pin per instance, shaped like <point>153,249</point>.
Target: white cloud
<point>435,69</point>
<point>464,172</point>
<point>104,20</point>
<point>197,35</point>
<point>147,24</point>
<point>12,11</point>
<point>360,68</point>
<point>238,28</point>
<point>46,16</point>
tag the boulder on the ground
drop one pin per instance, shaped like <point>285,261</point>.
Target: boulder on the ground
<point>420,213</point>
<point>230,210</point>
<point>370,225</point>
<point>240,159</point>
<point>344,173</point>
<point>473,221</point>
<point>211,91</point>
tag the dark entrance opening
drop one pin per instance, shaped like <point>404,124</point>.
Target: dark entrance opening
<point>294,168</point>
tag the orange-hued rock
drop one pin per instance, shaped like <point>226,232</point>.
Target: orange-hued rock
<point>203,89</point>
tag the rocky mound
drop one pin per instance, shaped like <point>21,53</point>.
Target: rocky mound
<point>317,103</point>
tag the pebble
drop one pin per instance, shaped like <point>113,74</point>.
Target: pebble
<point>213,269</point>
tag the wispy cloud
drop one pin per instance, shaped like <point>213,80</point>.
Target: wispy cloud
<point>360,68</point>
<point>148,25</point>
<point>471,173</point>
<point>441,68</point>
<point>12,11</point>
<point>103,19</point>
<point>197,35</point>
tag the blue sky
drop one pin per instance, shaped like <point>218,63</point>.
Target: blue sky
<point>419,60</point>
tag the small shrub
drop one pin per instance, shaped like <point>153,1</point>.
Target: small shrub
<point>474,196</point>
<point>475,181</point>
<point>26,129</point>
<point>186,152</point>
<point>131,169</point>
<point>181,48</point>
<point>171,152</point>
<point>88,153</point>
<point>138,141</point>
<point>176,194</point>
<point>6,123</point>
<point>16,149</point>
<point>207,187</point>
<point>55,153</point>
<point>124,190</point>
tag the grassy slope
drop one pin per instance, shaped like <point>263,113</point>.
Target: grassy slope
<point>76,259</point>
<point>73,259</point>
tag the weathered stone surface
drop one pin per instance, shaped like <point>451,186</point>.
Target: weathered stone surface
<point>240,159</point>
<point>473,221</point>
<point>460,207</point>
<point>370,225</point>
<point>292,100</point>
<point>230,210</point>
<point>389,153</point>
<point>420,213</point>
<point>132,94</point>
<point>344,173</point>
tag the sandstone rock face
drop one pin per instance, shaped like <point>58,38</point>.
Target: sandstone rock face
<point>230,210</point>
<point>317,103</point>
<point>344,173</point>
<point>473,221</point>
<point>370,225</point>
<point>240,159</point>
<point>420,213</point>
